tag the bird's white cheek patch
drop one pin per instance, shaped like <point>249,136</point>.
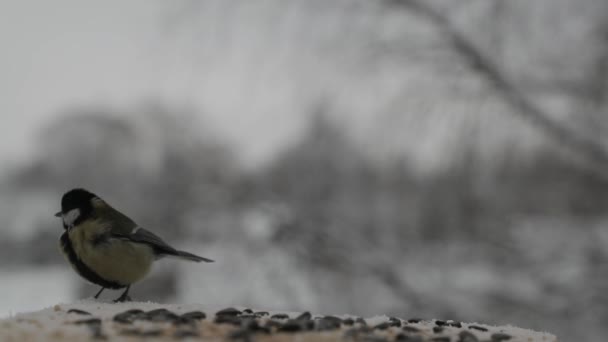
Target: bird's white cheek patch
<point>70,217</point>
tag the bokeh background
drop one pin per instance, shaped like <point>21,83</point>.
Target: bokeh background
<point>425,158</point>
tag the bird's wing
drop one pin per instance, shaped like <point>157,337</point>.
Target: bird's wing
<point>122,227</point>
<point>141,235</point>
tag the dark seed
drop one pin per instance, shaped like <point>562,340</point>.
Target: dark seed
<point>181,320</point>
<point>247,317</point>
<point>407,328</point>
<point>195,315</point>
<point>140,333</point>
<point>228,312</point>
<point>437,330</point>
<point>440,323</point>
<point>477,327</point>
<point>291,326</point>
<point>248,311</point>
<point>261,313</point>
<point>279,316</point>
<point>395,322</point>
<point>161,315</point>
<point>348,321</point>
<point>500,337</point>
<point>90,321</point>
<point>382,326</point>
<point>465,336</point>
<point>304,316</point>
<point>79,312</point>
<point>185,333</point>
<point>129,316</point>
<point>328,323</point>
<point>414,320</point>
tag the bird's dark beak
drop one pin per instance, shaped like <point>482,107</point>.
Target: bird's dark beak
<point>59,214</point>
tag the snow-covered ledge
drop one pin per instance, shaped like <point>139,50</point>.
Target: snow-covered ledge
<point>96,320</point>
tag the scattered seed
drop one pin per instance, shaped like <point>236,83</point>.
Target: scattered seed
<point>279,316</point>
<point>140,333</point>
<point>304,316</point>
<point>195,315</point>
<point>477,327</point>
<point>348,321</point>
<point>161,315</point>
<point>382,326</point>
<point>394,322</point>
<point>79,312</point>
<point>228,312</point>
<point>401,337</point>
<point>291,326</point>
<point>90,321</point>
<point>129,316</point>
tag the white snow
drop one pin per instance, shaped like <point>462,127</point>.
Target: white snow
<point>30,289</point>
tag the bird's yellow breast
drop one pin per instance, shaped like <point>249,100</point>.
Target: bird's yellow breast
<point>116,260</point>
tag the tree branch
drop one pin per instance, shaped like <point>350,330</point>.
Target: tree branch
<point>591,152</point>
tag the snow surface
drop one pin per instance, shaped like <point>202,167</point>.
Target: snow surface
<point>29,289</point>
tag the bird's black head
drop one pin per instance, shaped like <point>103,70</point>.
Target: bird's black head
<point>76,205</point>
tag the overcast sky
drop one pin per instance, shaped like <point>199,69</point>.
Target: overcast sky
<point>57,54</point>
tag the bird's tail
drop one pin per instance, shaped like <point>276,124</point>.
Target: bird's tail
<point>190,257</point>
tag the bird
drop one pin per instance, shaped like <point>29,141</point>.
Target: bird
<point>106,247</point>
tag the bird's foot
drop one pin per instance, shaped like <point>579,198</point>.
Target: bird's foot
<point>122,299</point>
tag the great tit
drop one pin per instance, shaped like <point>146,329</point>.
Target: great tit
<point>106,247</point>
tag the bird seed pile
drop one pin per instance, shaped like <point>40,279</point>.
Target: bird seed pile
<point>145,321</point>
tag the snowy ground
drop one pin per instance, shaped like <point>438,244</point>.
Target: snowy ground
<point>32,288</point>
<point>92,319</point>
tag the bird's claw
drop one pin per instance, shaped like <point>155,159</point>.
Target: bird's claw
<point>123,299</point>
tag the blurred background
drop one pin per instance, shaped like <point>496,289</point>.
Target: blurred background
<point>425,158</point>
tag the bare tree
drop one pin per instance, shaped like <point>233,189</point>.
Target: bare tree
<point>591,153</point>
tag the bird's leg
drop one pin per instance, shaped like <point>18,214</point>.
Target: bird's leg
<point>124,297</point>
<point>98,293</point>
